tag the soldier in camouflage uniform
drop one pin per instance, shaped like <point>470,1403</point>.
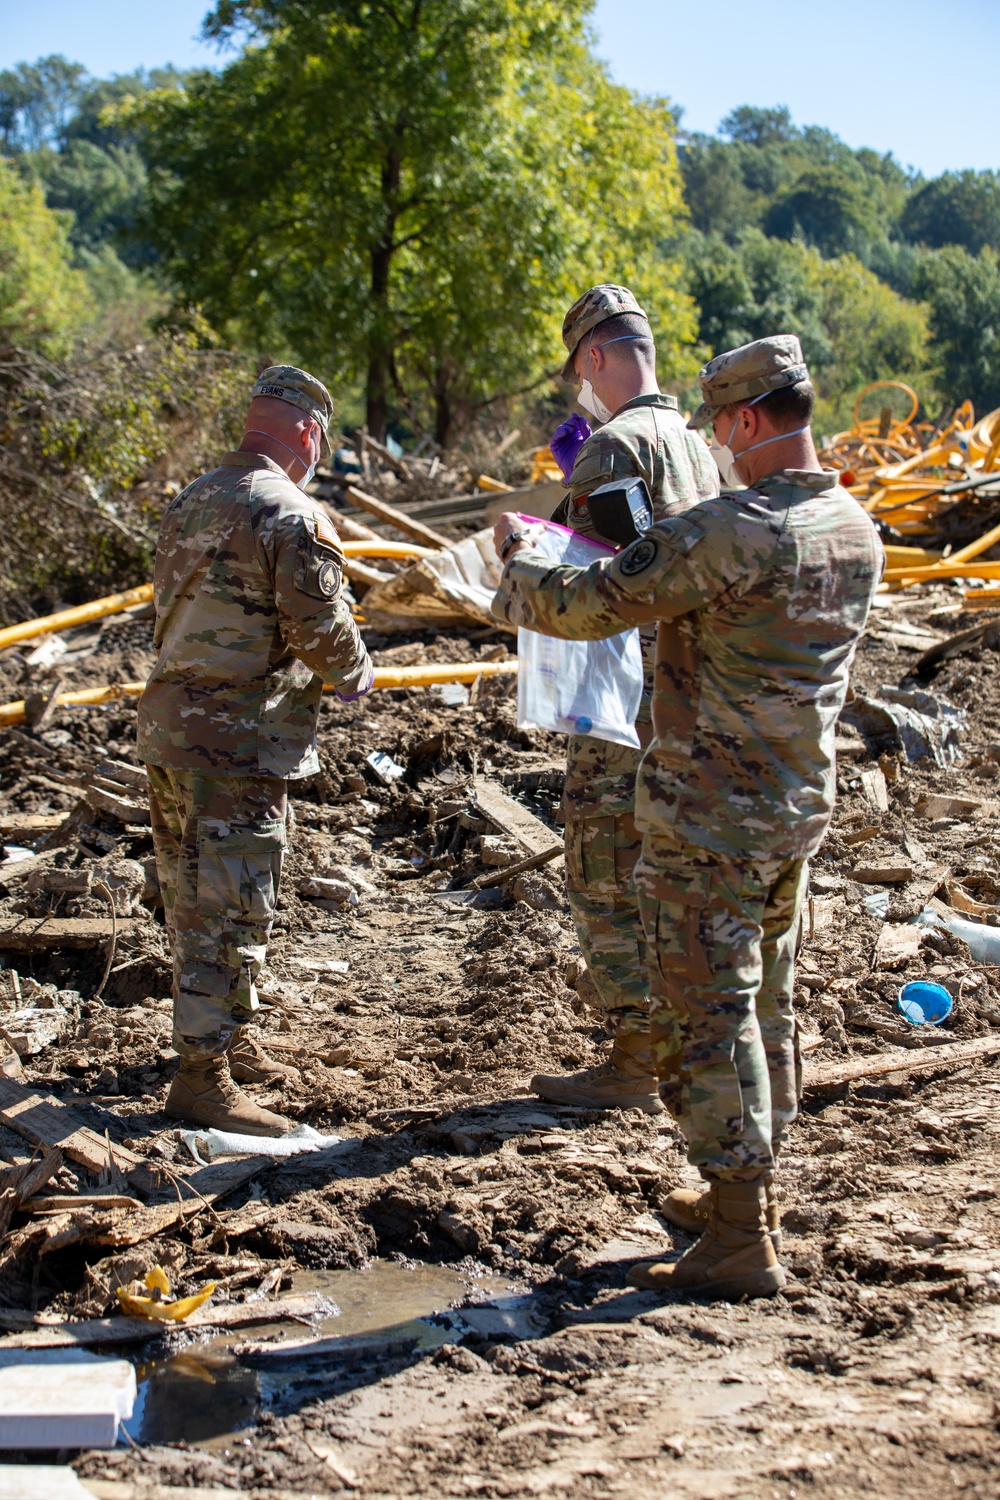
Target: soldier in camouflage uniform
<point>760,597</point>
<point>251,620</point>
<point>611,352</point>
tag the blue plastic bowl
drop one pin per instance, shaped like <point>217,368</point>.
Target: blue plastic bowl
<point>924,1003</point>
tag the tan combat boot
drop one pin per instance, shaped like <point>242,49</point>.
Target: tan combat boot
<point>688,1208</point>
<point>249,1063</point>
<point>625,1081</point>
<point>734,1257</point>
<point>203,1093</point>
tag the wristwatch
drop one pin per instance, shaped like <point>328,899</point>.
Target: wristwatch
<point>509,542</point>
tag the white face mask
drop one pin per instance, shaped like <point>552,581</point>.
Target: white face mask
<point>310,471</point>
<point>725,458</point>
<point>592,403</point>
<point>307,476</point>
<point>588,397</point>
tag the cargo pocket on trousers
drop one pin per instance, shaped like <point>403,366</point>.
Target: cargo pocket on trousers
<point>590,856</point>
<point>684,944</point>
<point>239,870</point>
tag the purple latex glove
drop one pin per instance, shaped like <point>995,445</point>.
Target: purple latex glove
<point>566,442</point>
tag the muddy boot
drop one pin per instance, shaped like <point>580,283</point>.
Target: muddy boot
<point>688,1208</point>
<point>625,1081</point>
<point>734,1257</point>
<point>249,1063</point>
<point>203,1093</point>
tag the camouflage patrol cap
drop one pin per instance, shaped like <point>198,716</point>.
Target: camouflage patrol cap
<point>752,370</point>
<point>298,388</point>
<point>594,307</point>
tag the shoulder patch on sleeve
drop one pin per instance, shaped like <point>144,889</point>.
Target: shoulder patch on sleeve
<point>638,557</point>
<point>325,532</point>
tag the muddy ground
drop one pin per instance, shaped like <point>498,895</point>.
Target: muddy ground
<point>877,1369</point>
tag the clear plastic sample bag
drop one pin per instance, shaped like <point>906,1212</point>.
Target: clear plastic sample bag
<point>578,687</point>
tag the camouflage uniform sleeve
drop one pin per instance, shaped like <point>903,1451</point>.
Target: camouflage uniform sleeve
<point>602,458</point>
<point>315,618</point>
<point>679,565</point>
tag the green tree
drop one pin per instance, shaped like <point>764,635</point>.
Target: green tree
<point>853,328</point>
<point>760,127</point>
<point>42,298</point>
<point>36,102</point>
<point>872,334</point>
<point>963,294</point>
<point>412,193</point>
<point>826,208</point>
<point>758,287</point>
<point>957,208</point>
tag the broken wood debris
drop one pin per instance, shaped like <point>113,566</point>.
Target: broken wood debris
<point>91,1333</point>
<point>514,819</point>
<point>510,872</point>
<point>397,518</point>
<point>943,1053</point>
<point>40,934</point>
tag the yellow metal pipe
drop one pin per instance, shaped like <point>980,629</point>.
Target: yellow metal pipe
<point>974,549</point>
<point>405,550</point>
<point>385,677</point>
<point>113,604</point>
<point>403,677</point>
<point>943,570</point>
<point>81,614</point>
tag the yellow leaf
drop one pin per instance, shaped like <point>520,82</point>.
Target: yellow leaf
<point>156,1280</point>
<point>163,1312</point>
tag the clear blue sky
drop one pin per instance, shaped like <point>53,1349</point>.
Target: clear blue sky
<point>907,76</point>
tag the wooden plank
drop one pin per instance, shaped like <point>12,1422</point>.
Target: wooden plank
<point>11,871</point>
<point>23,825</point>
<point>511,872</point>
<point>36,935</point>
<point>124,774</point>
<point>513,818</point>
<point>122,808</point>
<point>900,1060</point>
<point>348,529</point>
<point>45,1121</point>
<point>91,1333</point>
<point>398,518</point>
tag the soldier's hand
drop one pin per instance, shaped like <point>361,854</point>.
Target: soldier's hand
<point>510,524</point>
<point>566,442</point>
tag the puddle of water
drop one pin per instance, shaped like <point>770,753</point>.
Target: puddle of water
<point>206,1394</point>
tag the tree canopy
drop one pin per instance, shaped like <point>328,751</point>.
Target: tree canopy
<point>42,298</point>
<point>407,194</point>
<point>412,193</point>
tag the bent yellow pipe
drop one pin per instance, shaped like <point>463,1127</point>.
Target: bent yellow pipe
<point>404,550</point>
<point>112,604</point>
<point>385,677</point>
<point>80,614</point>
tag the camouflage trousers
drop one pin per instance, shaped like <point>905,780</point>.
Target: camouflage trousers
<point>602,848</point>
<point>219,843</point>
<point>721,938</point>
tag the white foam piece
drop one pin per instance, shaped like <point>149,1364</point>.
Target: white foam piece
<point>228,1143</point>
<point>41,1482</point>
<point>62,1398</point>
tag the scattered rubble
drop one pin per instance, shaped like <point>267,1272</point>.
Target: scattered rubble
<point>423,967</point>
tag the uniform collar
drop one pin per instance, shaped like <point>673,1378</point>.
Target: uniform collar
<point>816,480</point>
<point>243,460</point>
<point>655,398</point>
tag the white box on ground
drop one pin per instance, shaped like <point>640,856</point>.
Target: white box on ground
<point>41,1482</point>
<point>63,1398</point>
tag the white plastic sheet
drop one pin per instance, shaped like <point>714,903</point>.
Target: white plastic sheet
<point>579,687</point>
<point>228,1143</point>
